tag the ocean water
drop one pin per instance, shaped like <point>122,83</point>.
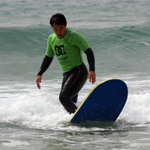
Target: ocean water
<point>118,32</point>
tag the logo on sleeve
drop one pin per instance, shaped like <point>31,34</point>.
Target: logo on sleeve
<point>60,50</point>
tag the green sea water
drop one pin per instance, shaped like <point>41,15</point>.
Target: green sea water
<point>118,32</point>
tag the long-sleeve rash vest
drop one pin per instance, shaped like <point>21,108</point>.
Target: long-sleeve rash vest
<point>68,49</point>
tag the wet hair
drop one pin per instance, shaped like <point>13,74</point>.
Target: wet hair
<point>58,19</point>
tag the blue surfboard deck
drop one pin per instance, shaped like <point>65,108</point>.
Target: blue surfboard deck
<point>104,103</point>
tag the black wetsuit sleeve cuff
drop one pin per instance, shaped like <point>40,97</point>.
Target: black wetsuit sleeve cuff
<point>91,59</point>
<point>45,64</point>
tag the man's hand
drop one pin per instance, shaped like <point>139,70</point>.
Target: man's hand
<point>38,81</point>
<point>92,77</point>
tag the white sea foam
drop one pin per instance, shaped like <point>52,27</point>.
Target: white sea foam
<point>137,109</point>
<point>14,143</point>
<point>30,107</point>
<point>147,44</point>
<point>41,109</point>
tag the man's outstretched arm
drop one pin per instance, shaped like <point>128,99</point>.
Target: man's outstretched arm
<point>91,61</point>
<point>45,64</point>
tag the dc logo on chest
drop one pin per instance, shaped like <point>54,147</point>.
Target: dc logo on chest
<point>60,50</point>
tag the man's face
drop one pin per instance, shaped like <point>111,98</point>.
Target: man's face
<point>59,30</point>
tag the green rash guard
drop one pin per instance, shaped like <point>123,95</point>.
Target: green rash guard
<point>68,49</point>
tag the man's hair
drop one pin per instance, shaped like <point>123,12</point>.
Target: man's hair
<point>58,19</point>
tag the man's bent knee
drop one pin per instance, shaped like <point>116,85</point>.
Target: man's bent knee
<point>67,103</point>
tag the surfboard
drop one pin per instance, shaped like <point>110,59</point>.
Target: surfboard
<point>104,102</point>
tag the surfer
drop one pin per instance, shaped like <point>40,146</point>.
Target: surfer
<point>67,45</point>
